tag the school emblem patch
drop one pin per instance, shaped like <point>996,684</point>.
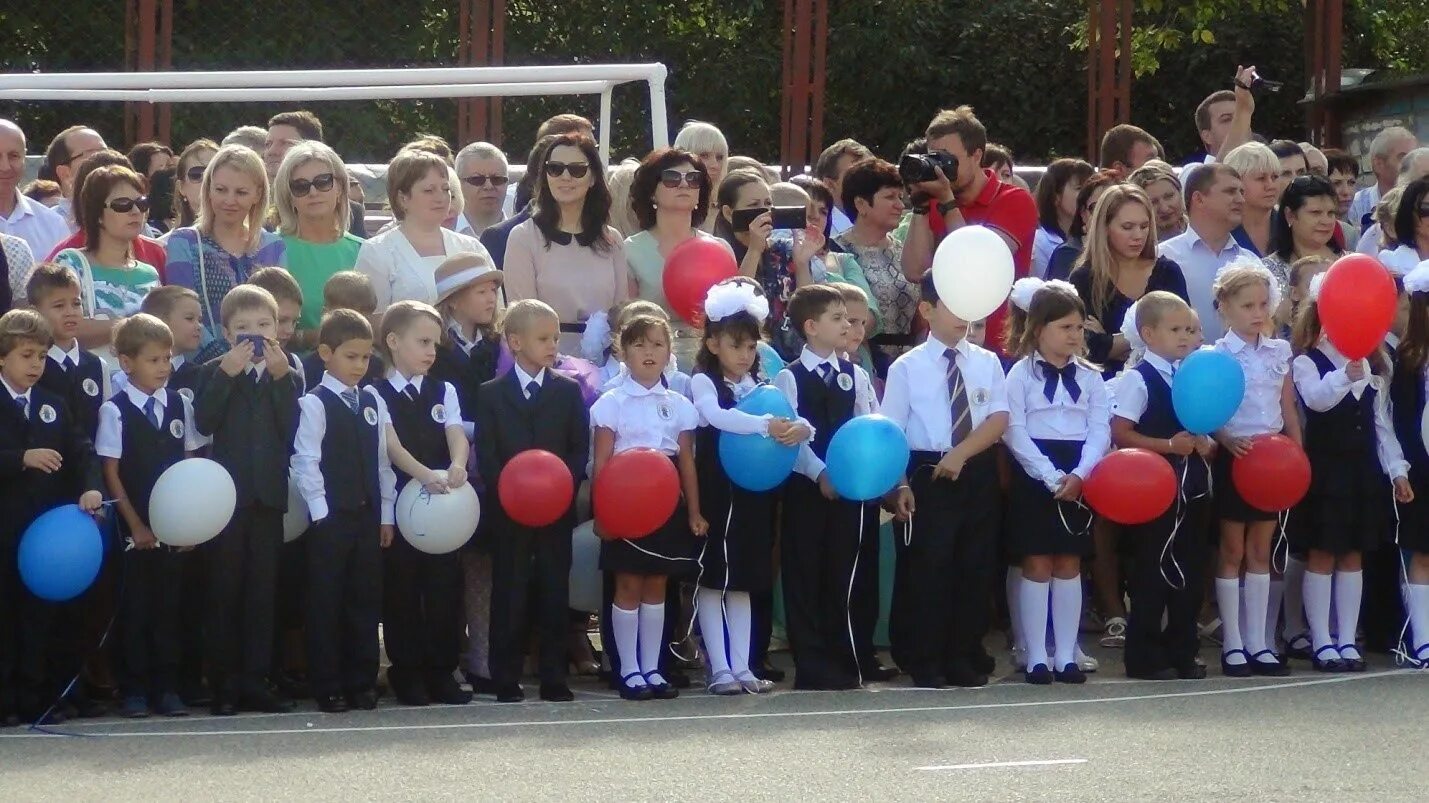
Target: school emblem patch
<point>665,412</point>
<point>370,415</point>
<point>980,396</point>
<point>845,382</point>
<point>47,414</point>
<point>91,388</point>
<point>176,428</point>
<point>439,413</point>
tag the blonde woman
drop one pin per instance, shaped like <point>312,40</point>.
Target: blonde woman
<point>1164,189</point>
<point>310,197</point>
<point>1259,170</point>
<point>227,241</point>
<point>424,192</point>
<point>188,180</point>
<point>708,143</point>
<point>622,214</point>
<point>1119,265</point>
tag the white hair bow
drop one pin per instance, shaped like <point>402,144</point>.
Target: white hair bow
<point>731,298</point>
<point>1417,281</point>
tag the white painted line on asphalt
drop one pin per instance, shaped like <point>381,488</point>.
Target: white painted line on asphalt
<point>1000,764</point>
<point>857,712</point>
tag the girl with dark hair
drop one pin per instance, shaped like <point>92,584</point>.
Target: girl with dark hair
<point>1056,208</point>
<point>1411,229</point>
<point>567,255</point>
<point>1065,256</point>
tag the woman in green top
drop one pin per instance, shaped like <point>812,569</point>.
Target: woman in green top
<point>111,209</point>
<point>310,196</point>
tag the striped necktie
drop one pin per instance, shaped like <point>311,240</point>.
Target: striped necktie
<point>350,396</point>
<point>958,399</point>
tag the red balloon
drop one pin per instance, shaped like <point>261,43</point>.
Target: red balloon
<point>1273,475</point>
<point>635,494</point>
<point>1357,304</point>
<point>536,488</point>
<point>691,269</point>
<point>1131,486</point>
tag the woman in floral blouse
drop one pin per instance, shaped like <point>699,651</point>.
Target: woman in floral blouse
<point>873,200</point>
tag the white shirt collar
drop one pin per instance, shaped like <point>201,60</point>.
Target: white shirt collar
<point>333,384</point>
<point>13,393</point>
<point>255,368</point>
<point>1235,342</point>
<point>938,347</point>
<point>1159,363</point>
<point>1194,237</point>
<point>526,379</point>
<point>399,383</point>
<point>58,354</point>
<point>633,388</point>
<point>23,208</point>
<point>812,361</point>
<point>1391,340</point>
<point>175,361</point>
<point>459,338</point>
<point>140,398</point>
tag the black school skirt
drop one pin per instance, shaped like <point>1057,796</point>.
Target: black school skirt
<point>1039,524</point>
<point>1229,504</point>
<point>1347,508</point>
<point>669,551</point>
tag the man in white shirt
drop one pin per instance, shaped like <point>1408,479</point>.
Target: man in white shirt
<point>62,158</point>
<point>1386,153</point>
<point>485,176</point>
<point>38,225</point>
<point>1215,204</point>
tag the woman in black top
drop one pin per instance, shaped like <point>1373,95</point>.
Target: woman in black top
<point>1064,256</point>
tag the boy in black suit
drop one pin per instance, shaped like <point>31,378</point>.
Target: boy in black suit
<point>248,404</point>
<point>45,461</point>
<point>531,407</point>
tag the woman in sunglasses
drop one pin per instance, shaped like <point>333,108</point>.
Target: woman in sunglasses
<point>402,261</point>
<point>1303,226</point>
<point>110,211</point>
<point>310,196</point>
<point>227,241</point>
<point>146,249</point>
<point>670,197</point>
<point>188,180</point>
<point>1411,229</point>
<point>1064,256</point>
<point>567,254</point>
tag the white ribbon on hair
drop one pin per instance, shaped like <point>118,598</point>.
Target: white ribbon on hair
<point>731,298</point>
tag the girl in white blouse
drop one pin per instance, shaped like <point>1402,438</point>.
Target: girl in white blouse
<point>1060,426</point>
<point>1246,297</point>
<point>643,413</point>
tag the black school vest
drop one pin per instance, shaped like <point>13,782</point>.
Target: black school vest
<point>349,452</point>
<point>1159,420</point>
<point>420,424</point>
<point>1345,429</point>
<point>1406,394</point>
<point>148,451</point>
<point>825,407</point>
<point>82,389</point>
<point>467,372</point>
<point>707,436</point>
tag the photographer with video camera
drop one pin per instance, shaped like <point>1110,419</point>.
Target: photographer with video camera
<point>950,190</point>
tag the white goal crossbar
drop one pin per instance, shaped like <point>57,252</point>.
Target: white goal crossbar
<point>326,85</point>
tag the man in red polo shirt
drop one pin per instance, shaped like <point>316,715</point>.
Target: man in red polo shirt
<point>972,195</point>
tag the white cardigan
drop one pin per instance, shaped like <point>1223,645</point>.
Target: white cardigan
<point>399,273</point>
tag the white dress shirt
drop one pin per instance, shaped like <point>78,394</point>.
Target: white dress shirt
<point>1128,391</point>
<point>645,418</point>
<point>864,402</point>
<point>916,394</point>
<point>1265,364</point>
<point>1087,419</point>
<point>735,422</point>
<point>1200,264</point>
<point>677,380</point>
<point>120,380</point>
<point>308,451</point>
<point>1044,242</point>
<point>109,440</point>
<point>16,396</point>
<point>1322,393</point>
<point>399,273</point>
<point>1364,203</point>
<point>38,225</point>
<point>524,379</point>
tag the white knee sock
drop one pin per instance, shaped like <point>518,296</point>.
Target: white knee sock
<point>1419,614</point>
<point>1272,610</point>
<point>1066,618</point>
<point>711,615</point>
<point>1228,602</point>
<point>625,625</point>
<point>1317,609</point>
<point>1294,598</point>
<point>1349,587</point>
<point>1034,619</point>
<point>1256,593</point>
<point>1014,606</point>
<point>738,617</point>
<point>652,639</point>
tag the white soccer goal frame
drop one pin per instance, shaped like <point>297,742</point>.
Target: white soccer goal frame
<point>233,86</point>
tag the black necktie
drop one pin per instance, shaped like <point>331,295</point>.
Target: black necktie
<point>826,373</point>
<point>68,364</point>
<point>1068,375</point>
<point>958,399</point>
<point>532,388</point>
<point>23,402</point>
<point>151,411</point>
<point>410,392</point>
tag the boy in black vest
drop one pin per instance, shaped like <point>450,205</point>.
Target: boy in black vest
<point>821,532</point>
<point>143,430</point>
<point>248,405</point>
<point>511,419</point>
<point>343,472</point>
<point>1165,582</point>
<point>71,373</point>
<point>45,461</point>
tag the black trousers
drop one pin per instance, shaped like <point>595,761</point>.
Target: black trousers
<point>863,603</point>
<point>421,612</point>
<point>290,603</point>
<point>242,571</point>
<point>1382,613</point>
<point>818,547</point>
<point>151,599</point>
<point>530,580</point>
<point>24,632</point>
<point>344,601</point>
<point>947,556</point>
<point>194,619</point>
<point>1150,647</point>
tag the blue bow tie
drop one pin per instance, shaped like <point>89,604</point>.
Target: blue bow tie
<point>1068,375</point>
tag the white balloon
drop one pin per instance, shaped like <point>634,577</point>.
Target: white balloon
<point>297,520</point>
<point>437,523</point>
<point>585,580</point>
<point>973,272</point>
<point>192,502</point>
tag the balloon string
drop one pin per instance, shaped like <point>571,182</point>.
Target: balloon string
<point>1404,653</point>
<point>1280,553</point>
<point>1169,548</point>
<point>848,600</point>
<point>695,608</point>
<point>908,530</point>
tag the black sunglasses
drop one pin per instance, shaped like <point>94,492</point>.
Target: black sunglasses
<point>122,205</point>
<point>195,173</point>
<point>322,182</point>
<point>478,180</point>
<point>673,178</point>
<point>558,169</point>
<point>1424,210</point>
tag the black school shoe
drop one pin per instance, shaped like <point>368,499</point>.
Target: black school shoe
<point>362,700</point>
<point>1192,671</point>
<point>1231,670</point>
<point>824,681</point>
<point>927,681</point>
<point>1164,673</point>
<point>769,673</point>
<point>873,671</point>
<point>1274,668</point>
<point>1039,675</point>
<point>965,675</point>
<point>445,690</point>
<point>556,693</point>
<point>479,684</point>
<point>981,662</point>
<point>510,693</point>
<point>264,701</point>
<point>1071,673</point>
<point>332,704</point>
<point>662,690</point>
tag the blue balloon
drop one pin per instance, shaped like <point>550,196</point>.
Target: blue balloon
<point>60,554</point>
<point>757,462</point>
<point>867,457</point>
<point>1207,390</point>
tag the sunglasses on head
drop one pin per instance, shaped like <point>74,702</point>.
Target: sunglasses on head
<point>673,178</point>
<point>122,205</point>
<point>478,180</point>
<point>195,173</point>
<point>322,182</point>
<point>558,169</point>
